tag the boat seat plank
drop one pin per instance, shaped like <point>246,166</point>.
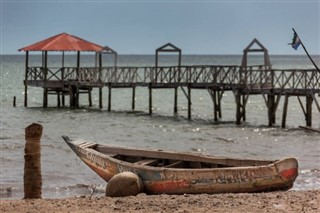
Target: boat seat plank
<point>88,145</point>
<point>177,164</point>
<point>147,162</point>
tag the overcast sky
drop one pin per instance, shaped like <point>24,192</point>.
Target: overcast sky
<point>139,27</point>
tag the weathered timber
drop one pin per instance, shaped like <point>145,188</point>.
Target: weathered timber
<point>285,108</point>
<point>14,101</point>
<point>133,105</point>
<point>175,108</point>
<point>109,96</point>
<point>150,98</point>
<point>310,129</point>
<point>32,166</point>
<point>189,102</point>
<point>25,79</point>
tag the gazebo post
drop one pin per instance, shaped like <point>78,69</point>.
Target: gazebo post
<point>45,90</point>
<point>78,78</point>
<point>100,76</point>
<point>25,80</point>
<point>176,88</point>
<point>62,78</point>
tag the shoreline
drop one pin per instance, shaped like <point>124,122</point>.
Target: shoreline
<point>283,201</point>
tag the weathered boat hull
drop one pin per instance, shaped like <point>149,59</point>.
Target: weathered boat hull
<point>266,176</point>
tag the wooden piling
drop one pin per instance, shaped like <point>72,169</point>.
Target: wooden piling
<point>216,99</point>
<point>14,101</point>
<point>109,97</point>
<point>71,99</point>
<point>238,110</point>
<point>150,98</point>
<point>90,97</point>
<point>215,106</point>
<point>63,99</point>
<point>271,109</point>
<point>133,106</point>
<point>285,108</point>
<point>32,167</point>
<point>175,109</point>
<point>45,98</point>
<point>189,101</point>
<point>77,95</point>
<point>244,103</point>
<point>220,95</point>
<point>309,101</point>
<point>100,97</point>
<point>58,99</point>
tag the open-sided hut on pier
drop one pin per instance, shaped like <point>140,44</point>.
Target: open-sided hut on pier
<point>65,80</point>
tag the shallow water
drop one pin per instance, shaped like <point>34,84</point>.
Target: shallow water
<point>63,173</point>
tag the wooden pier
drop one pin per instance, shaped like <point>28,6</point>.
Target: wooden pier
<point>271,84</point>
<point>242,80</point>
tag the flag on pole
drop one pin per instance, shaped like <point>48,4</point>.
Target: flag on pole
<point>295,41</point>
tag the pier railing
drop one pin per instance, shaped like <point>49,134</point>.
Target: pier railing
<point>250,78</point>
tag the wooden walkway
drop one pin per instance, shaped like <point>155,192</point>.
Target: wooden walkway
<point>272,84</point>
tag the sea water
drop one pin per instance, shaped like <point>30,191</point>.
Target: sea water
<point>64,175</point>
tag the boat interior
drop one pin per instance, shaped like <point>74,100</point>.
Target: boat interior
<point>158,158</point>
<point>167,163</point>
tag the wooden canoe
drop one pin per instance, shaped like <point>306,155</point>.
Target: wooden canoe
<point>179,173</point>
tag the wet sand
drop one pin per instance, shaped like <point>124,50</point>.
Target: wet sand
<point>290,201</point>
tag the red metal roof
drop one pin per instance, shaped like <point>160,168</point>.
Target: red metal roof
<point>63,42</point>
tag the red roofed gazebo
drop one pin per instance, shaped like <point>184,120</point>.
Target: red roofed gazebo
<point>65,80</point>
<point>63,42</point>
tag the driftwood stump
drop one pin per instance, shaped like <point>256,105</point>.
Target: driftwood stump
<point>32,165</point>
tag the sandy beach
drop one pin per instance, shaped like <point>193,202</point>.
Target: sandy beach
<point>290,201</point>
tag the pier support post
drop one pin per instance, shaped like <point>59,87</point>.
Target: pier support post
<point>90,97</point>
<point>32,166</point>
<point>241,101</point>
<point>150,98</point>
<point>285,108</point>
<point>244,103</point>
<point>58,99</point>
<point>217,105</point>
<point>100,97</point>
<point>309,101</point>
<point>63,98</point>
<point>238,103</point>
<point>189,101</point>
<point>45,98</point>
<point>175,109</point>
<point>133,106</point>
<point>77,96</point>
<point>216,97</point>
<point>109,97</point>
<point>271,110</point>
<point>71,96</point>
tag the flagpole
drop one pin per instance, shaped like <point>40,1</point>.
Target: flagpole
<point>306,51</point>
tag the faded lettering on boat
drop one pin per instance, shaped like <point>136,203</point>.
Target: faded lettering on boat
<point>99,161</point>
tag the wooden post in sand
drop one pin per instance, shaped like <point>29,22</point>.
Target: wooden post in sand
<point>32,165</point>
